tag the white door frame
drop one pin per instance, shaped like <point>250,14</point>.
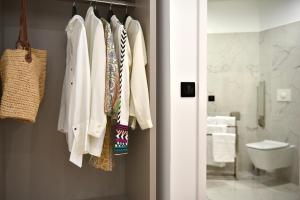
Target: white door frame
<point>202,98</point>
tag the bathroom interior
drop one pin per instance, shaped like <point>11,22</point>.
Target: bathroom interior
<point>253,100</point>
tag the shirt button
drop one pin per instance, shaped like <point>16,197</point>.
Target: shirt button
<point>71,83</point>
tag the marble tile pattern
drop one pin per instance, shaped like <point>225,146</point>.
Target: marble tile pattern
<point>280,69</point>
<point>236,64</point>
<point>233,74</point>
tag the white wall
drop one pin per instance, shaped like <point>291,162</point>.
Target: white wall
<point>202,98</point>
<point>184,57</point>
<point>230,16</point>
<point>279,12</point>
<point>177,117</point>
<point>233,16</point>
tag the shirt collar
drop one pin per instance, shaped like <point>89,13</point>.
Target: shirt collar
<point>128,21</point>
<point>73,20</point>
<point>90,11</point>
<point>114,20</point>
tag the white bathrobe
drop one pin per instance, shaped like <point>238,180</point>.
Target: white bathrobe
<point>75,101</point>
<point>97,54</point>
<point>139,97</point>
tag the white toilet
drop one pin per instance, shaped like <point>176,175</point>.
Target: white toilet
<point>271,155</point>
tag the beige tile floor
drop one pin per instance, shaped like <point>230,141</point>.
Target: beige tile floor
<point>252,189</point>
<point>122,197</point>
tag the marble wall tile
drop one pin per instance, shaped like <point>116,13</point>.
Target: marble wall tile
<point>236,64</point>
<point>280,61</point>
<point>233,74</point>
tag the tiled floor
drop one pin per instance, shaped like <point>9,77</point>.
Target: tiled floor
<point>252,189</point>
<point>122,197</point>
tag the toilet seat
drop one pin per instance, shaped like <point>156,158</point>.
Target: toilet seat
<point>267,145</point>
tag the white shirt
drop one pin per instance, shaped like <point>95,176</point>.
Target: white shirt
<point>119,33</point>
<point>97,54</point>
<point>75,101</point>
<point>139,97</point>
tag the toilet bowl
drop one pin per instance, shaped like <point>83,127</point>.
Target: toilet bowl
<point>271,155</point>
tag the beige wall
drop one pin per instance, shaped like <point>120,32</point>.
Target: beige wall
<point>163,98</point>
<point>2,159</point>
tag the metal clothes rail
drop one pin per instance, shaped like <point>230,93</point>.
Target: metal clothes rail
<point>109,2</point>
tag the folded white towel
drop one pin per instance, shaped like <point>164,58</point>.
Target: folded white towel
<point>225,120</point>
<point>210,159</point>
<point>231,130</point>
<point>211,121</point>
<point>223,147</point>
<point>216,128</point>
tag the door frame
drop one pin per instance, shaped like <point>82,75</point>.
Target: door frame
<point>202,99</point>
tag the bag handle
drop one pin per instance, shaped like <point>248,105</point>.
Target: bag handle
<point>23,33</point>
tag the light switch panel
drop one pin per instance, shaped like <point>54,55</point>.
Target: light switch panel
<point>284,95</point>
<point>211,98</point>
<point>188,89</point>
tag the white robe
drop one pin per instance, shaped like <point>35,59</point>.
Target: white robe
<point>75,101</point>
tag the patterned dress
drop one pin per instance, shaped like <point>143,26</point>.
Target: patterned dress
<point>124,58</point>
<point>112,72</point>
<point>111,100</point>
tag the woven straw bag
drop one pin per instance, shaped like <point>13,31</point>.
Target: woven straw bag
<point>23,72</point>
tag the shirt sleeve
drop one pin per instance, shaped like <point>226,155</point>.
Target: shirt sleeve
<point>98,70</point>
<point>62,124</point>
<point>139,86</point>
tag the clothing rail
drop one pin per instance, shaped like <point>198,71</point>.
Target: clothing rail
<point>109,2</point>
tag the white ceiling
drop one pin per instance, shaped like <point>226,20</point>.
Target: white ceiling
<point>250,15</point>
<point>230,0</point>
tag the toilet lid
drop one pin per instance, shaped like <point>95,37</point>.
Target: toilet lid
<point>267,145</point>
